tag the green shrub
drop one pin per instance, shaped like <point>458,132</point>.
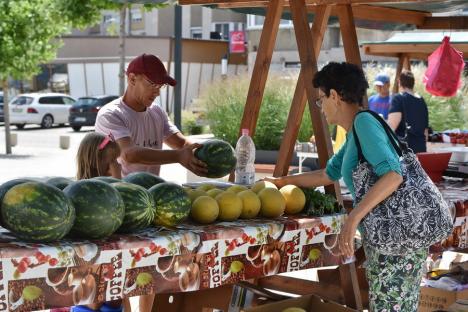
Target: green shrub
<point>225,105</point>
<point>190,124</point>
<point>444,113</point>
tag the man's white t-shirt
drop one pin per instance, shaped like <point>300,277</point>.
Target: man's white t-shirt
<point>146,129</point>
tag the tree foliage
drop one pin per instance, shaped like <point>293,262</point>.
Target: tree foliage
<point>28,36</point>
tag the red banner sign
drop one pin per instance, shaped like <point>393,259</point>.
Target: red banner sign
<point>236,42</point>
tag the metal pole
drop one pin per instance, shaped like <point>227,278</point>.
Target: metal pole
<point>6,116</point>
<point>178,65</point>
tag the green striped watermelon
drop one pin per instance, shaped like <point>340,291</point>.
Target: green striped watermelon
<point>5,187</point>
<point>37,212</point>
<point>59,182</point>
<point>172,203</point>
<point>219,157</point>
<point>108,180</point>
<point>99,208</point>
<point>145,179</point>
<point>139,207</point>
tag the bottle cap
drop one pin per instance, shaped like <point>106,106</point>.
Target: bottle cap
<point>245,131</point>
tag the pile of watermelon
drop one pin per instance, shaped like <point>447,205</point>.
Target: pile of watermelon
<point>89,209</point>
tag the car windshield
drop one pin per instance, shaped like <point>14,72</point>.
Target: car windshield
<point>22,100</point>
<point>86,101</point>
<point>1,98</point>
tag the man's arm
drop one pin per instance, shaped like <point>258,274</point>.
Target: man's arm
<point>394,120</point>
<point>132,153</point>
<point>177,141</point>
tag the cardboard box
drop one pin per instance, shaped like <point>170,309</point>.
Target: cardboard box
<point>309,303</point>
<point>433,299</point>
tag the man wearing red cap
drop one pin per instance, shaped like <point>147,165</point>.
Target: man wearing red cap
<point>141,127</point>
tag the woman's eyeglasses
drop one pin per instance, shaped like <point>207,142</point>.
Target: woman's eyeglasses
<point>319,101</point>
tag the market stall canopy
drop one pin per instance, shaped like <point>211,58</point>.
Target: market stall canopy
<point>373,14</point>
<point>416,44</point>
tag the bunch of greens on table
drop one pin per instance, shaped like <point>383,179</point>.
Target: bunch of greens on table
<point>319,204</point>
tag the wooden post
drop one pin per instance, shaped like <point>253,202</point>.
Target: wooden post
<point>308,58</point>
<point>397,74</point>
<point>261,68</point>
<point>262,65</point>
<point>300,96</point>
<point>406,62</point>
<point>350,41</point>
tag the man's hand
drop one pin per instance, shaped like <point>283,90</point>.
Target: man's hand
<point>192,163</point>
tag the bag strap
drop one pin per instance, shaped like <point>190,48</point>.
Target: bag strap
<point>399,148</point>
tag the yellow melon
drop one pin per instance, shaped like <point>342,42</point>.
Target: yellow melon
<point>230,206</point>
<point>214,192</point>
<point>294,309</point>
<point>205,210</point>
<point>295,198</point>
<point>194,194</point>
<point>250,204</point>
<point>206,187</point>
<point>260,185</point>
<point>273,203</point>
<point>237,188</point>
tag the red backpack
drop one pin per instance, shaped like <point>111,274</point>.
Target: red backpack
<point>442,77</point>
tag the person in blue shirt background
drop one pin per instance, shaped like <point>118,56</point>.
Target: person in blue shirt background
<point>380,102</point>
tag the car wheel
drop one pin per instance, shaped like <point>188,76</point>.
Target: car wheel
<point>20,126</point>
<point>76,128</point>
<point>47,122</point>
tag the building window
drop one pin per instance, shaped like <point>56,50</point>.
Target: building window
<point>256,21</point>
<point>137,16</point>
<point>196,33</point>
<point>223,29</point>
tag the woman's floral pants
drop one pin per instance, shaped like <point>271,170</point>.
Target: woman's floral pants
<point>394,280</point>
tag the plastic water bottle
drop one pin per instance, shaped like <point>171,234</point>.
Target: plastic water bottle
<point>245,153</point>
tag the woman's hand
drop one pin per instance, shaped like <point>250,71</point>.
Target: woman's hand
<point>279,182</point>
<point>348,231</point>
<point>189,161</point>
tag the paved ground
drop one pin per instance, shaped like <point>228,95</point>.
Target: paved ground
<point>38,154</point>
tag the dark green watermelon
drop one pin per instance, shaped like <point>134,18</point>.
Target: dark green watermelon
<point>99,208</point>
<point>172,204</point>
<point>108,180</point>
<point>5,187</point>
<point>59,182</point>
<point>37,212</point>
<point>145,179</point>
<point>219,157</point>
<point>139,207</point>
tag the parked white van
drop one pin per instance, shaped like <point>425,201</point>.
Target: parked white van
<point>45,109</point>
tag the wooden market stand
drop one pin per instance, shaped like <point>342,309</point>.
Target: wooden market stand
<point>343,284</point>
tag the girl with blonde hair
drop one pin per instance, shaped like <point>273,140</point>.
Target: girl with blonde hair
<point>97,156</point>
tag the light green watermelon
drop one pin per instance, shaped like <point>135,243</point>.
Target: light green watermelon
<point>172,204</point>
<point>99,208</point>
<point>219,156</point>
<point>139,207</point>
<point>37,212</point>
<point>5,187</point>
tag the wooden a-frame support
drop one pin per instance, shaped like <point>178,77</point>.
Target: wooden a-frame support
<point>309,43</point>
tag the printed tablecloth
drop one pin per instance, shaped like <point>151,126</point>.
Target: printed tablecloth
<point>192,257</point>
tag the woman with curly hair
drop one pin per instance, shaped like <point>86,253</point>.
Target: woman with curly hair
<point>393,279</point>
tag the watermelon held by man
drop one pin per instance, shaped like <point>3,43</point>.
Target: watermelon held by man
<point>219,156</point>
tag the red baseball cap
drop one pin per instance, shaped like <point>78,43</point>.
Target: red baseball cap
<point>152,67</point>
